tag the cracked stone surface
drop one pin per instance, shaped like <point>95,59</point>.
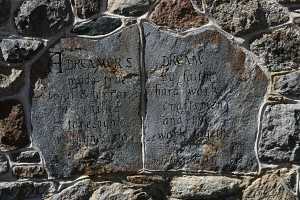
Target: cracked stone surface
<point>203,95</point>
<point>13,133</point>
<point>241,17</point>
<point>279,142</point>
<point>177,15</point>
<point>86,8</point>
<point>42,18</point>
<point>11,80</point>
<point>279,50</point>
<point>86,110</point>
<point>288,85</point>
<point>129,7</point>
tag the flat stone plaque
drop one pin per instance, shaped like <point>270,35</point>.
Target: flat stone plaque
<point>86,110</point>
<point>203,97</point>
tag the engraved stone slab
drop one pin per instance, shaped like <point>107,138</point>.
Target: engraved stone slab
<point>203,96</point>
<point>86,112</point>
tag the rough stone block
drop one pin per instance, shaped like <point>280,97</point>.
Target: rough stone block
<point>4,165</point>
<point>26,157</point>
<point>203,96</point>
<point>13,132</point>
<point>280,134</point>
<point>86,110</point>
<point>288,85</point>
<point>29,171</point>
<point>86,8</point>
<point>129,7</point>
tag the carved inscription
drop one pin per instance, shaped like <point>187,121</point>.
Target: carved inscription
<point>198,114</point>
<point>90,102</point>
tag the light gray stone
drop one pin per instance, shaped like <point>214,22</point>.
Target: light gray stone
<point>288,85</point>
<point>128,7</point>
<point>279,142</point>
<point>279,50</point>
<point>11,80</point>
<point>43,18</point>
<point>205,187</point>
<point>203,96</point>
<point>86,110</point>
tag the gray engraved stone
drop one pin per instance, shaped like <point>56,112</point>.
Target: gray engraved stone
<point>279,142</point>
<point>86,111</point>
<point>203,96</point>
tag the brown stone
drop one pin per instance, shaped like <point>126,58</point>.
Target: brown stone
<point>29,171</point>
<point>13,134</point>
<point>177,15</point>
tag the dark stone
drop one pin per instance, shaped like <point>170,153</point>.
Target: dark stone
<point>13,133</point>
<point>86,8</point>
<point>288,85</point>
<point>129,7</point>
<point>100,26</point>
<point>177,14</point>
<point>26,157</point>
<point>241,17</point>
<point>203,96</point>
<point>29,171</point>
<point>280,49</point>
<point>279,143</point>
<point>4,166</point>
<point>19,50</point>
<point>86,110</point>
<point>5,6</point>
<point>43,18</point>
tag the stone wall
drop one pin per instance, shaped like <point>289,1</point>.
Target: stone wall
<point>145,99</point>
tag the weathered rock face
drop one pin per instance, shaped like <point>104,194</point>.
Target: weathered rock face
<point>101,26</point>
<point>86,111</point>
<point>288,85</point>
<point>206,187</point>
<point>11,80</point>
<point>86,8</point>
<point>271,186</point>
<point>241,17</point>
<point>279,50</point>
<point>42,18</point>
<point>128,7</point>
<point>4,165</point>
<point>280,134</point>
<point>29,171</point>
<point>13,134</point>
<point>203,95</point>
<point>177,14</point>
<point>5,6</point>
<point>26,157</point>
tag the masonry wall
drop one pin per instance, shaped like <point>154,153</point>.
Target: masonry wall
<point>145,99</point>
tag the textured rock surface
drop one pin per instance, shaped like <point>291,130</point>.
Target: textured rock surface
<point>203,95</point>
<point>42,18</point>
<point>177,14</point>
<point>4,166</point>
<point>279,142</point>
<point>19,50</point>
<point>273,186</point>
<point>86,8</point>
<point>29,171</point>
<point>85,112</point>
<point>206,187</point>
<point>13,132</point>
<point>280,49</point>
<point>288,85</point>
<point>26,157</point>
<point>100,26</point>
<point>128,7</point>
<point>241,17</point>
<point>11,80</point>
<point>5,6</point>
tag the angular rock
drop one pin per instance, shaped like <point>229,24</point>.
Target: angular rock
<point>240,17</point>
<point>177,14</point>
<point>42,18</point>
<point>86,8</point>
<point>11,80</point>
<point>19,50</point>
<point>129,7</point>
<point>13,133</point>
<point>118,191</point>
<point>205,187</point>
<point>29,171</point>
<point>86,110</point>
<point>280,49</point>
<point>203,97</point>
<point>288,85</point>
<point>274,186</point>
<point>4,166</point>
<point>280,134</point>
<point>5,6</point>
<point>25,190</point>
<point>101,26</point>
<point>26,157</point>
